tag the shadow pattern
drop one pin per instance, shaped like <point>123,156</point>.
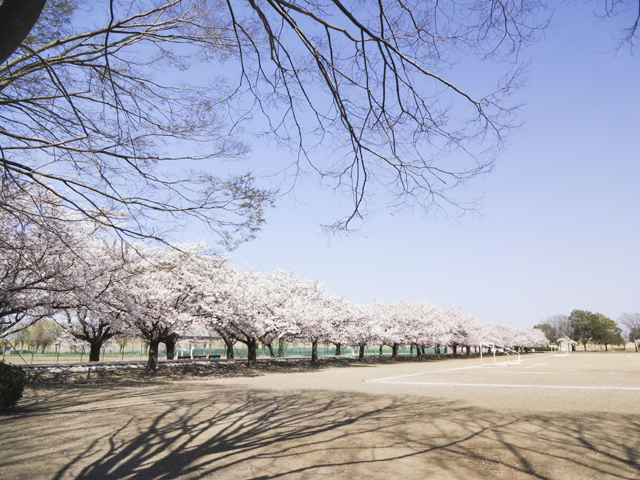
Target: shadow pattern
<point>201,430</point>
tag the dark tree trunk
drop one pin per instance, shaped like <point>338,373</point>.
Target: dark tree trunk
<point>171,349</point>
<point>438,349</point>
<point>605,348</point>
<point>394,350</point>
<point>94,353</point>
<point>455,349</point>
<point>338,351</point>
<point>361,352</point>
<point>251,353</point>
<point>418,352</point>
<point>314,352</point>
<point>380,350</point>
<point>170,343</point>
<point>280,353</point>
<point>411,351</point>
<point>152,362</point>
<point>228,345</point>
<point>270,347</point>
<point>468,349</point>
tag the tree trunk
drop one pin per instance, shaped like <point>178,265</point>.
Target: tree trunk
<point>270,347</point>
<point>411,350</point>
<point>380,350</point>
<point>361,352</point>
<point>468,349</point>
<point>338,352</point>
<point>251,353</point>
<point>228,345</point>
<point>605,348</point>
<point>280,348</point>
<point>314,352</point>
<point>94,353</point>
<point>170,343</point>
<point>394,351</point>
<point>418,352</point>
<point>455,349</point>
<point>152,361</point>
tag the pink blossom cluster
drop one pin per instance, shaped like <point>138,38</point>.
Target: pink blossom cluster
<point>161,293</point>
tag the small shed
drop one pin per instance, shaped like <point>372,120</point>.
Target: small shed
<point>565,343</point>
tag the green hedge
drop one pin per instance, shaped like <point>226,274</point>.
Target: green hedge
<point>12,383</point>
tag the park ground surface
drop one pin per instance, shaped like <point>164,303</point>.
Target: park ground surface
<point>563,417</point>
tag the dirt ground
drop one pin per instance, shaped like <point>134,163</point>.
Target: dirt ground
<point>547,418</point>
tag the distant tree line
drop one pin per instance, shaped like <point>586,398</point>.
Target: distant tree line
<point>587,327</point>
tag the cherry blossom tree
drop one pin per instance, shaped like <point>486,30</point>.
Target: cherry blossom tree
<point>161,293</point>
<point>90,328</point>
<point>90,316</point>
<point>498,334</point>
<point>254,306</point>
<point>41,256</point>
<point>530,337</point>
<point>464,330</point>
<point>361,329</point>
<point>340,322</point>
<point>423,326</point>
<point>316,311</point>
<point>392,324</point>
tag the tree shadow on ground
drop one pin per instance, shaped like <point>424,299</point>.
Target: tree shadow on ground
<point>173,430</point>
<point>204,369</point>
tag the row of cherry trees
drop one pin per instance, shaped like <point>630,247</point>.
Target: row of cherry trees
<point>99,290</point>
<point>160,293</point>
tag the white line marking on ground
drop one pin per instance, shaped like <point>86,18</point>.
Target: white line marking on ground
<point>520,372</point>
<point>540,364</point>
<point>500,364</point>
<point>460,368</point>
<point>421,373</point>
<point>514,386</point>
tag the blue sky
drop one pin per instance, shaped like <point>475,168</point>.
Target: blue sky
<point>559,226</point>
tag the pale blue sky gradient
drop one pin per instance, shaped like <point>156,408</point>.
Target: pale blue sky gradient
<point>559,227</point>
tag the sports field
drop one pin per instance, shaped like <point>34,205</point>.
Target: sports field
<point>568,417</point>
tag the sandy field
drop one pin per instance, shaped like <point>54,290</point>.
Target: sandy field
<point>550,417</point>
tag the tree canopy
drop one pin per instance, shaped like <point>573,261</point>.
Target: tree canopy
<point>595,328</point>
<point>102,101</point>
